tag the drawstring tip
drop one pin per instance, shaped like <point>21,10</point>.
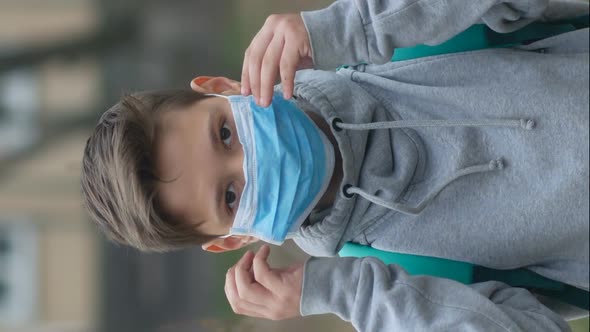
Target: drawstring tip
<point>497,164</point>
<point>527,124</point>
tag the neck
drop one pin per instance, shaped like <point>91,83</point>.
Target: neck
<point>328,198</point>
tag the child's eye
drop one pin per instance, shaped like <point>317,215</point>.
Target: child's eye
<point>231,196</point>
<point>225,134</point>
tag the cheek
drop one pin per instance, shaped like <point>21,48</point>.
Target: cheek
<point>237,145</point>
<point>170,199</point>
<point>240,150</point>
<point>227,224</point>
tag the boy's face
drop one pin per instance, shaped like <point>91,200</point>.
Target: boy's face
<point>199,151</point>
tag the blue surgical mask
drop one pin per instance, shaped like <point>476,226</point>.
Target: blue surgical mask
<point>288,163</point>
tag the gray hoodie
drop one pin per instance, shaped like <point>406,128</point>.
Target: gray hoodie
<point>500,179</point>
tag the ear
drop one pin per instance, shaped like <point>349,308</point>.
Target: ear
<point>219,85</point>
<point>233,242</point>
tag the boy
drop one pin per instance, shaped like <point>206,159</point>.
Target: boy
<point>501,181</point>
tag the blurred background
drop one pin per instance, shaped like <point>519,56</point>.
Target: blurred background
<point>62,63</point>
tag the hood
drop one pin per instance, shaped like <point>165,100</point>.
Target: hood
<point>382,162</point>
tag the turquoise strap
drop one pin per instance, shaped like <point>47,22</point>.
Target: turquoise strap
<point>467,273</point>
<point>479,37</point>
<point>536,283</point>
<point>414,264</point>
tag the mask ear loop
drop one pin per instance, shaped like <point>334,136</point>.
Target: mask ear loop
<point>217,95</point>
<point>224,236</point>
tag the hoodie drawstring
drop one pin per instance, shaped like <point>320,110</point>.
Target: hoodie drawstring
<point>496,164</point>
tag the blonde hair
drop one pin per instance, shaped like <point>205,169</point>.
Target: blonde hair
<point>119,180</point>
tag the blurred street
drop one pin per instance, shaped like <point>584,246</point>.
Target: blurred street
<point>63,63</point>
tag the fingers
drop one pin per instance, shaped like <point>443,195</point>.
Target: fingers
<point>267,293</point>
<point>247,287</point>
<point>262,271</point>
<point>288,66</point>
<point>238,304</point>
<point>245,80</point>
<point>269,70</point>
<point>256,52</point>
<point>281,46</point>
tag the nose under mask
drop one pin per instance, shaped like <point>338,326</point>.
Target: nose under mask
<point>288,164</point>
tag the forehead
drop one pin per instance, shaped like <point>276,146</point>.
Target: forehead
<point>173,139</point>
<point>180,132</point>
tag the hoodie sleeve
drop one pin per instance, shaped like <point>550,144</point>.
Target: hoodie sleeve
<point>378,297</point>
<point>354,31</point>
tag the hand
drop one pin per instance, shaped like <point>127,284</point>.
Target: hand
<point>280,47</point>
<point>256,290</point>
